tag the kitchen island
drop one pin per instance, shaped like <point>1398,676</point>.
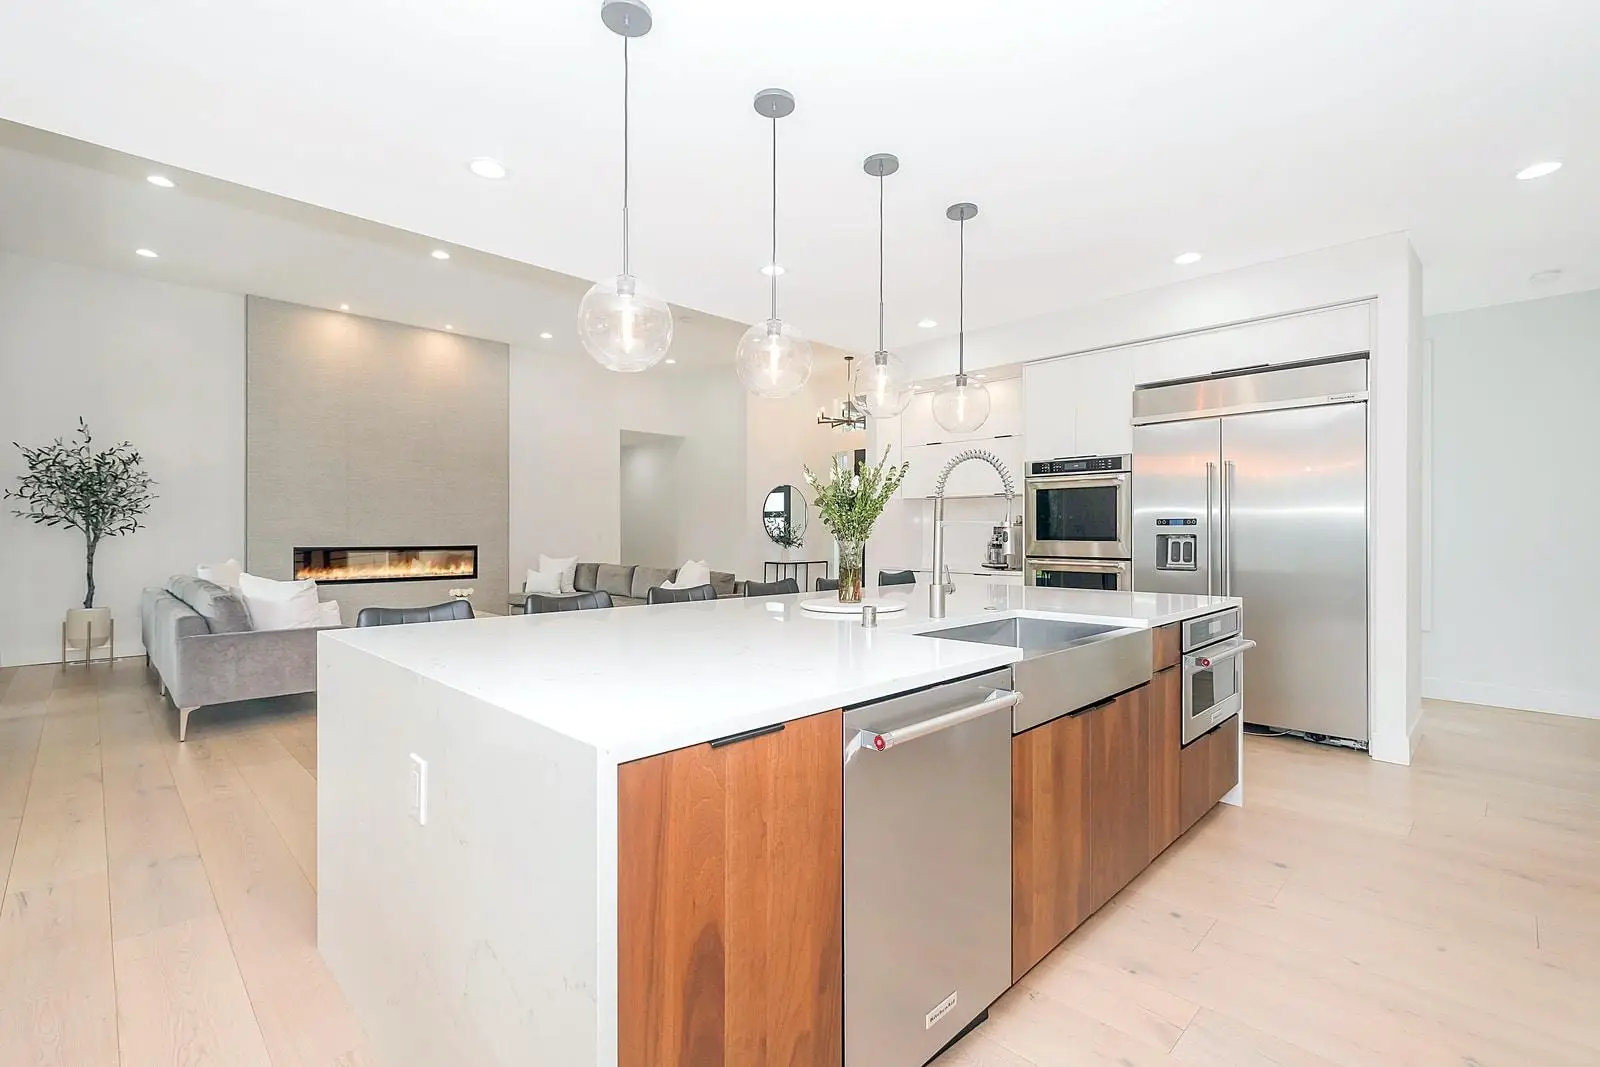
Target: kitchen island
<point>583,838</point>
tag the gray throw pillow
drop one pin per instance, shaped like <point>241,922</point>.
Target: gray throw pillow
<point>614,579</point>
<point>723,583</point>
<point>223,609</point>
<point>647,578</point>
<point>586,579</point>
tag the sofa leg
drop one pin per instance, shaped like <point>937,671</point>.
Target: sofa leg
<point>161,684</point>
<point>183,723</point>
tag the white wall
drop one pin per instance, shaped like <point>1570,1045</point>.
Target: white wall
<point>1515,505</point>
<point>782,438</point>
<point>1382,269</point>
<point>567,418</point>
<point>650,500</point>
<point>161,366</point>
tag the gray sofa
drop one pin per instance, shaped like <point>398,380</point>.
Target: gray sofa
<point>198,637</point>
<point>629,584</point>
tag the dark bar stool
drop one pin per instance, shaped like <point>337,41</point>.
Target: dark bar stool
<point>449,610</point>
<point>827,585</point>
<point>658,594</point>
<point>778,588</point>
<point>897,578</point>
<point>540,603</point>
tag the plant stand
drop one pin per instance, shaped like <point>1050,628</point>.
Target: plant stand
<point>88,646</point>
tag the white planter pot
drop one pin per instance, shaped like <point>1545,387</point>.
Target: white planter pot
<point>88,627</point>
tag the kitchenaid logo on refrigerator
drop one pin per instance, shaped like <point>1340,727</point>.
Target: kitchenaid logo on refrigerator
<point>940,1010</point>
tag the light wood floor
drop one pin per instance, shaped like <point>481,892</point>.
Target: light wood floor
<point>159,902</point>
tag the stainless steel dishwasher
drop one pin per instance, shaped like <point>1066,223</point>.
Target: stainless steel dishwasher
<point>927,867</point>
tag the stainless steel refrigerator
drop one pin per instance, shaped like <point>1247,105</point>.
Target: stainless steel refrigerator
<point>1254,484</point>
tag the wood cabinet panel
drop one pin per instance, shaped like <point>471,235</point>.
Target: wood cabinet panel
<point>1116,797</point>
<point>1166,645</point>
<point>1207,769</point>
<point>1047,843</point>
<point>729,901</point>
<point>1164,713</point>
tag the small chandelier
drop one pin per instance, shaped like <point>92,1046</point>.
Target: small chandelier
<point>852,416</point>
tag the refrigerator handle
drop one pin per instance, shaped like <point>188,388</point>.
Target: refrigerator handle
<point>1211,538</point>
<point>1227,528</point>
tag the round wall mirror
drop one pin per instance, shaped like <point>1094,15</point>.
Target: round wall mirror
<point>783,516</point>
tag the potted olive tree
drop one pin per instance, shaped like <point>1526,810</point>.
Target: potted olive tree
<point>100,493</point>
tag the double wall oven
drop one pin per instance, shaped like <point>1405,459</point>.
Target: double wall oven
<point>1079,517</point>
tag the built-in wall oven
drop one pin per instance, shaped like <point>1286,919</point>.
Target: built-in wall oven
<point>1079,519</point>
<point>1213,671</point>
<point>1109,574</point>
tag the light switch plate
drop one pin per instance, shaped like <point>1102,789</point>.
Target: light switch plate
<point>419,789</point>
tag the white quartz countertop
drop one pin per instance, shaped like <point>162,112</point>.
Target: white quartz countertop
<point>637,681</point>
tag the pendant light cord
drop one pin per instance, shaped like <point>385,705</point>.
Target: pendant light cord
<point>625,250</point>
<point>880,262</point>
<point>772,264</point>
<point>961,303</point>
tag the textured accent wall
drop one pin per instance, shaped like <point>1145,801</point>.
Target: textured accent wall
<point>363,433</point>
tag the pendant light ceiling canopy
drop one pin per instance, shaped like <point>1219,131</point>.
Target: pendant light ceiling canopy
<point>623,324</point>
<point>963,405</point>
<point>887,382</point>
<point>773,358</point>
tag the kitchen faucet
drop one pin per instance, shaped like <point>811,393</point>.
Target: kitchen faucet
<point>942,586</point>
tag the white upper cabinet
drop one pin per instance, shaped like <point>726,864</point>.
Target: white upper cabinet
<point>974,478</point>
<point>1105,404</point>
<point>1079,406</point>
<point>1332,332</point>
<point>918,427</point>
<point>1050,412</point>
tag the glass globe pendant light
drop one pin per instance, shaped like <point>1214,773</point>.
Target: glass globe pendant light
<point>963,405</point>
<point>774,358</point>
<point>623,324</point>
<point>886,385</point>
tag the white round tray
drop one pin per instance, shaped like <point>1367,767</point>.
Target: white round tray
<point>831,606</point>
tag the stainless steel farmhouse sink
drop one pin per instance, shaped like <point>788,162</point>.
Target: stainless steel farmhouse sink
<point>1066,666</point>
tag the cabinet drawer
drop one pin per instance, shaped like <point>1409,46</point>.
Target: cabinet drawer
<point>1207,769</point>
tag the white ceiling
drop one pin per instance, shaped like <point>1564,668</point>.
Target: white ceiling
<point>76,203</point>
<point>1098,139</point>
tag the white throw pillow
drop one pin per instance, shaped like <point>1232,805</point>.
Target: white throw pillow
<point>224,574</point>
<point>328,613</point>
<point>542,582</point>
<point>280,605</point>
<point>566,567</point>
<point>692,573</point>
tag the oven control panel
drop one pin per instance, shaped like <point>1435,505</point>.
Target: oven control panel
<point>1080,465</point>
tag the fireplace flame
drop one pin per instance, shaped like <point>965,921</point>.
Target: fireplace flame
<point>440,565</point>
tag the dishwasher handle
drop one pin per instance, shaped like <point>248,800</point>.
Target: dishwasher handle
<point>873,741</point>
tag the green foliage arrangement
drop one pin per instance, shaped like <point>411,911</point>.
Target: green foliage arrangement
<point>101,493</point>
<point>850,502</point>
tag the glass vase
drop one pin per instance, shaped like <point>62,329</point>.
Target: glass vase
<point>851,554</point>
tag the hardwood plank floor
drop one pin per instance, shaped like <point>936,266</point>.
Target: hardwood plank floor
<point>159,902</point>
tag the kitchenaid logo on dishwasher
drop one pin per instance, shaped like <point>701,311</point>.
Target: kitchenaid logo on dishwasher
<point>940,1010</point>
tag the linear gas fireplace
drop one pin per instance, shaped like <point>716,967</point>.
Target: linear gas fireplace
<point>386,564</point>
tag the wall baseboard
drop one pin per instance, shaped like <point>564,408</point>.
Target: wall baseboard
<point>1549,701</point>
<point>50,657</point>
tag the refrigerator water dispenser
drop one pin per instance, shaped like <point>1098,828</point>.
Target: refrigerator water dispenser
<point>1175,552</point>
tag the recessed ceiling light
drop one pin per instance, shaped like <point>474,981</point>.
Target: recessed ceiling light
<point>161,181</point>
<point>1183,259</point>
<point>448,326</point>
<point>484,167</point>
<point>927,324</point>
<point>344,307</point>
<point>145,252</point>
<point>669,361</point>
<point>1539,170</point>
<point>546,336</point>
<point>773,269</point>
<point>439,253</point>
<point>1544,277</point>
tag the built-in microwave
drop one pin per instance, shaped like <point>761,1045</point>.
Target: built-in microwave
<point>1213,671</point>
<point>1080,508</point>
<point>1110,574</point>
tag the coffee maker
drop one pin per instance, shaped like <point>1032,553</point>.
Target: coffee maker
<point>1004,552</point>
